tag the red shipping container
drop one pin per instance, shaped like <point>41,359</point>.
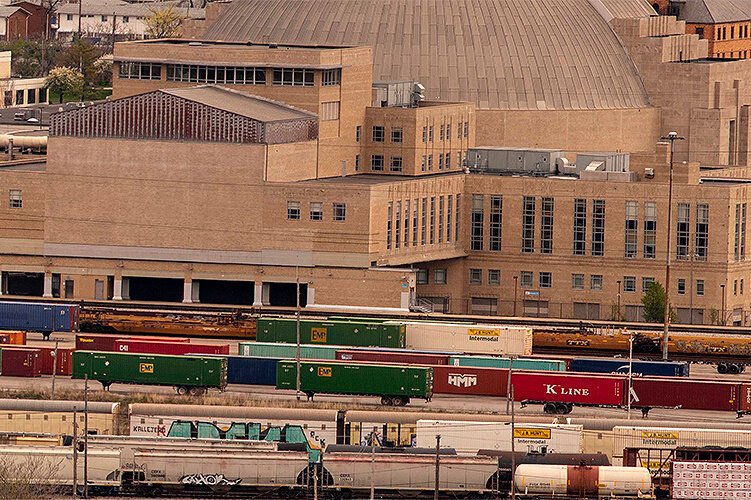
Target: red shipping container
<point>470,380</point>
<point>177,348</point>
<point>106,342</point>
<point>20,362</point>
<point>404,358</point>
<point>47,360</point>
<point>689,394</point>
<point>568,388</point>
<point>17,338</point>
<point>4,338</point>
<point>744,399</point>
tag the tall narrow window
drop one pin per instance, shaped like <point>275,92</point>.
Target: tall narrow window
<point>650,229</point>
<point>478,217</point>
<point>441,208</point>
<point>496,220</point>
<point>293,210</point>
<point>388,225</point>
<point>449,210</point>
<point>397,224</point>
<point>682,230</point>
<point>743,232</point>
<point>15,198</point>
<point>740,231</point>
<point>546,225</point>
<point>414,222</point>
<point>406,223</point>
<point>432,220</point>
<point>598,227</point>
<point>424,222</point>
<point>632,226</point>
<point>458,215</point>
<point>528,224</point>
<point>702,231</point>
<point>580,226</point>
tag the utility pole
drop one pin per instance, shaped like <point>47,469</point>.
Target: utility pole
<point>75,453</point>
<point>513,445</point>
<point>372,464</point>
<point>54,366</point>
<point>79,26</point>
<point>508,383</point>
<point>297,324</point>
<point>672,137</point>
<point>86,436</point>
<point>437,465</point>
<point>630,371</point>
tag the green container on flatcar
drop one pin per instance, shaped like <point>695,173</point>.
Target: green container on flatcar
<point>151,369</point>
<point>342,333</point>
<point>546,365</point>
<point>288,351</point>
<point>363,379</point>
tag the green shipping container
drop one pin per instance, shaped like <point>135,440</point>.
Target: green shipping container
<point>187,373</point>
<point>343,333</point>
<point>287,351</point>
<point>396,384</point>
<point>547,365</point>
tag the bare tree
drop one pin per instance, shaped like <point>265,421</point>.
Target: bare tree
<point>27,476</point>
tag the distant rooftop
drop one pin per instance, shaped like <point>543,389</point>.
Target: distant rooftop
<point>225,43</point>
<point>715,11</point>
<point>121,8</point>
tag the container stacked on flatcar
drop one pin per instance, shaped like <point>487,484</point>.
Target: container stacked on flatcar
<point>345,333</point>
<point>39,317</point>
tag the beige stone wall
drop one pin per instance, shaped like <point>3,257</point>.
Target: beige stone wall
<point>292,162</point>
<point>22,229</point>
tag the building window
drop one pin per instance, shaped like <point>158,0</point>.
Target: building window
<point>329,111</point>
<point>682,231</point>
<point>632,226</point>
<point>104,19</point>
<point>414,223</point>
<point>681,286</point>
<point>439,277</point>
<point>699,287</point>
<point>443,129</point>
<point>357,163</point>
<point>424,222</point>
<point>126,19</point>
<point>577,281</point>
<point>293,77</point>
<point>449,213</point>
<point>650,230</point>
<point>430,162</point>
<point>700,32</point>
<point>316,211</point>
<point>424,163</point>
<point>293,210</point>
<point>43,95</point>
<point>526,279</point>
<point>646,282</point>
<point>546,280</point>
<point>494,276</point>
<point>358,133</point>
<point>397,134</point>
<point>595,282</point>
<point>459,131</point>
<point>331,77</point>
<point>425,134</point>
<point>432,220</point>
<point>430,133</point>
<point>629,283</point>
<point>441,208</point>
<point>68,17</point>
<point>448,131</point>
<point>235,75</point>
<point>701,242</point>
<point>440,161</point>
<point>19,97</point>
<point>376,162</point>
<point>496,222</point>
<point>735,287</point>
<point>340,211</point>
<point>598,227</point>
<point>580,226</point>
<point>448,161</point>
<point>31,96</point>
<point>15,198</point>
<point>398,220</point>
<point>422,276</point>
<point>140,70</point>
<point>466,129</point>
<point>458,215</point>
<point>475,276</point>
<point>407,214</point>
<point>740,232</point>
<point>546,225</point>
<point>528,224</point>
<point>396,164</point>
<point>478,218</point>
<point>741,286</point>
<point>378,133</point>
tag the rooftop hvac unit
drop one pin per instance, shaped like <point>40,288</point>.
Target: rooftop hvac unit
<point>397,94</point>
<point>514,161</point>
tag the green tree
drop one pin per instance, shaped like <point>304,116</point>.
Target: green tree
<point>163,23</point>
<point>33,57</point>
<point>83,55</point>
<point>62,80</point>
<point>653,301</point>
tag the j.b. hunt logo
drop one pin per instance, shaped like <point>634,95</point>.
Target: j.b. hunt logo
<point>565,391</point>
<point>462,379</point>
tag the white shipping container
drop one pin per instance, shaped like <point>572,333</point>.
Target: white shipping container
<point>711,480</point>
<point>477,339</point>
<point>469,437</point>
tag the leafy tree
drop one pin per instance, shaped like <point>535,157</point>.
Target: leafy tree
<point>653,301</point>
<point>33,57</point>
<point>84,55</point>
<point>62,80</point>
<point>163,23</point>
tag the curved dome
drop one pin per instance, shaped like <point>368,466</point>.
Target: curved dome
<point>500,54</point>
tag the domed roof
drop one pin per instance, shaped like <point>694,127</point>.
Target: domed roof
<point>500,54</point>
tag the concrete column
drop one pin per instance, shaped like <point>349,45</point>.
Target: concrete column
<point>126,289</point>
<point>188,290</point>
<point>195,292</point>
<point>311,295</point>
<point>117,292</point>
<point>258,293</point>
<point>405,300</point>
<point>47,286</point>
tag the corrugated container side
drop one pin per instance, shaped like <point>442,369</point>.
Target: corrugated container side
<point>744,398</point>
<point>483,339</point>
<point>621,365</point>
<point>470,380</point>
<point>568,388</point>
<point>20,362</point>
<point>552,365</point>
<point>288,351</point>
<point>407,358</point>
<point>252,371</point>
<point>176,348</point>
<point>687,394</point>
<point>47,360</point>
<point>96,342</point>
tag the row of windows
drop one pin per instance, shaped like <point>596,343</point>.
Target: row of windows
<point>377,163</point>
<point>378,134</point>
<point>444,162</point>
<point>197,73</point>
<point>30,94</point>
<point>722,32</point>
<point>422,221</point>
<point>294,211</point>
<point>140,70</point>
<point>125,19</point>
<point>428,132</point>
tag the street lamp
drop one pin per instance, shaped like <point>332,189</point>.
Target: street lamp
<point>672,137</point>
<point>618,317</point>
<point>516,282</point>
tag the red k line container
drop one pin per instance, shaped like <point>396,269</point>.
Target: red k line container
<point>689,394</point>
<point>47,364</point>
<point>175,348</point>
<point>405,358</point>
<point>470,380</point>
<point>20,362</point>
<point>568,388</point>
<point>106,342</point>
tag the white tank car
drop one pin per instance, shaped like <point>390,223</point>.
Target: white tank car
<point>599,481</point>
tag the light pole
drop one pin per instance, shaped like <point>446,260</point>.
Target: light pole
<point>630,370</point>
<point>516,282</point>
<point>672,137</point>
<point>297,325</point>
<point>618,315</point>
<point>722,286</point>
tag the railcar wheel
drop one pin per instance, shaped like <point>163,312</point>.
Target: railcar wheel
<point>722,368</point>
<point>181,390</point>
<point>398,401</point>
<point>387,401</point>
<point>550,408</point>
<point>569,408</point>
<point>734,369</point>
<point>561,408</point>
<point>195,391</point>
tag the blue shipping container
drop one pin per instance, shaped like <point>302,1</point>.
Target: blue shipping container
<point>639,367</point>
<point>39,317</point>
<point>251,371</point>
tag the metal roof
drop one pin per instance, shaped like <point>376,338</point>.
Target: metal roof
<point>626,10</point>
<point>715,11</point>
<point>507,54</point>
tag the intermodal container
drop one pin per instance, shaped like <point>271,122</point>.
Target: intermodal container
<point>20,362</point>
<point>16,337</point>
<point>288,351</point>
<point>688,394</point>
<point>711,480</point>
<point>470,380</point>
<point>38,317</point>
<point>744,400</point>
<point>403,357</point>
<point>175,348</point>
<point>366,379</point>
<point>595,390</point>
<point>462,337</point>
<point>47,365</point>
<point>621,365</point>
<point>106,342</point>
<point>346,333</point>
<point>541,365</point>
<point>151,369</point>
<point>252,371</point>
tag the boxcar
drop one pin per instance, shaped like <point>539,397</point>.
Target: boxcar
<point>39,317</point>
<point>345,333</point>
<point>395,384</point>
<point>188,374</point>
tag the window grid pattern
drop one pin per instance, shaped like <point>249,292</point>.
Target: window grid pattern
<point>496,223</point>
<point>232,75</point>
<point>580,227</point>
<point>295,77</point>
<point>682,231</point>
<point>629,283</point>
<point>398,224</point>
<point>650,230</point>
<point>406,223</point>
<point>478,216</point>
<point>424,222</point>
<point>441,211</point>
<point>632,227</point>
<point>546,225</point>
<point>432,220</point>
<point>449,210</point>
<point>701,243</point>
<point>577,281</point>
<point>140,71</point>
<point>331,77</point>
<point>598,227</point>
<point>389,223</point>
<point>528,224</point>
<point>458,216</point>
<point>414,222</point>
<point>740,232</point>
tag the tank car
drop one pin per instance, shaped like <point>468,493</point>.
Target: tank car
<point>548,481</point>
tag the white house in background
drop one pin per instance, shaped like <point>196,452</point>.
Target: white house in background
<point>97,17</point>
<point>19,91</point>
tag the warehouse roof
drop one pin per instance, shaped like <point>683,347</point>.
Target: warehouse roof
<point>715,11</point>
<point>508,54</point>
